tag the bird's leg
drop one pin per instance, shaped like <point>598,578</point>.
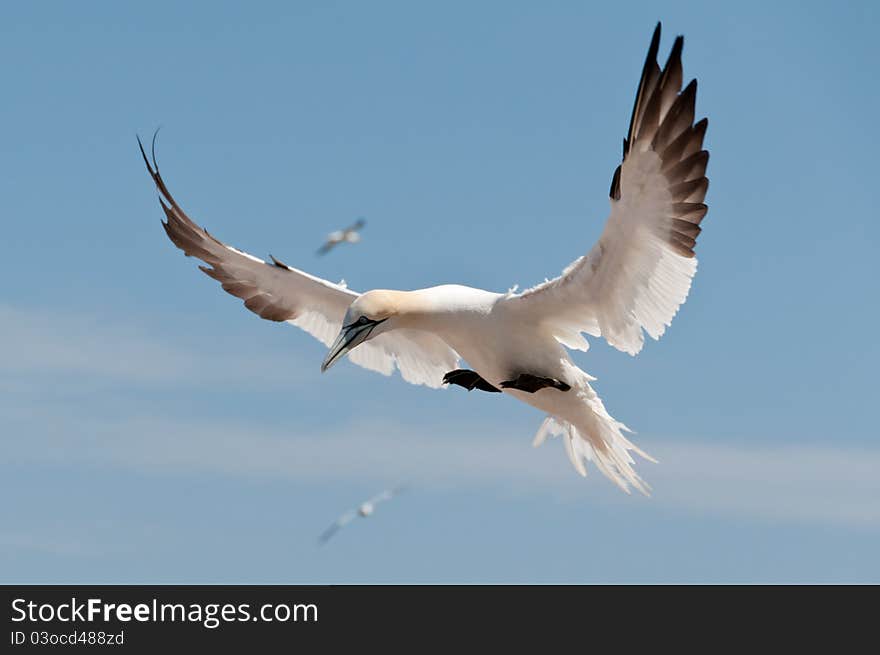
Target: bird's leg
<point>532,383</point>
<point>469,380</point>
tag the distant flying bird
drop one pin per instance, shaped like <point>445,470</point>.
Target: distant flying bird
<point>632,281</point>
<point>349,234</point>
<point>364,510</point>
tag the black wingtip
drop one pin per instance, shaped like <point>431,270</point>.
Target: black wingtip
<point>675,53</point>
<point>154,166</point>
<point>279,263</point>
<point>677,46</point>
<point>655,42</point>
<point>153,148</point>
<point>647,68</point>
<point>653,49</point>
<point>143,153</point>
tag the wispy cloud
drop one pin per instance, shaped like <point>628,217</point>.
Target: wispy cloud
<point>37,345</point>
<point>784,483</point>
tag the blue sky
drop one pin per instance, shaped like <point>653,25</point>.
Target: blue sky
<point>155,431</point>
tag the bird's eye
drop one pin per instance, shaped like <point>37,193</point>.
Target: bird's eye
<point>363,320</point>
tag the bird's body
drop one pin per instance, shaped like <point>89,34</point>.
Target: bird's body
<point>630,283</point>
<point>485,329</point>
<point>500,336</point>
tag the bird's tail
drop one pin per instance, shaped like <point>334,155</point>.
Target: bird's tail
<point>597,437</point>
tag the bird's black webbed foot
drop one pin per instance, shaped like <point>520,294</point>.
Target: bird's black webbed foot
<point>469,380</point>
<point>532,383</point>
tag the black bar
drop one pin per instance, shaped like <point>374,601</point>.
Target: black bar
<point>247,617</point>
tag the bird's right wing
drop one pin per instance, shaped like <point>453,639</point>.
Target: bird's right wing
<point>388,494</point>
<point>278,292</point>
<point>357,225</point>
<point>337,525</point>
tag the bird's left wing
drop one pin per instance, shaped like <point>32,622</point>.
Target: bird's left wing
<point>639,272</point>
<point>337,525</point>
<point>278,292</point>
<point>333,240</point>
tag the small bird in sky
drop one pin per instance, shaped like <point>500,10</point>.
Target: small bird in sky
<point>364,510</point>
<point>351,234</point>
<point>631,282</point>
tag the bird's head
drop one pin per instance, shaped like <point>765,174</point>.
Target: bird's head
<point>367,317</point>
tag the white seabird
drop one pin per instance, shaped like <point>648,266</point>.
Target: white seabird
<point>364,510</point>
<point>351,234</point>
<point>631,282</point>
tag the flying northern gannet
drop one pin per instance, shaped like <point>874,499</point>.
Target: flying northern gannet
<point>363,510</point>
<point>632,281</point>
<point>349,234</point>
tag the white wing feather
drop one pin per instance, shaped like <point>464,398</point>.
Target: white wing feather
<point>639,273</point>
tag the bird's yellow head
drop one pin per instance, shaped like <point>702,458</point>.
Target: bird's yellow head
<point>367,317</point>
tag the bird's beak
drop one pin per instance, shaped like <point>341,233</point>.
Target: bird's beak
<point>349,337</point>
